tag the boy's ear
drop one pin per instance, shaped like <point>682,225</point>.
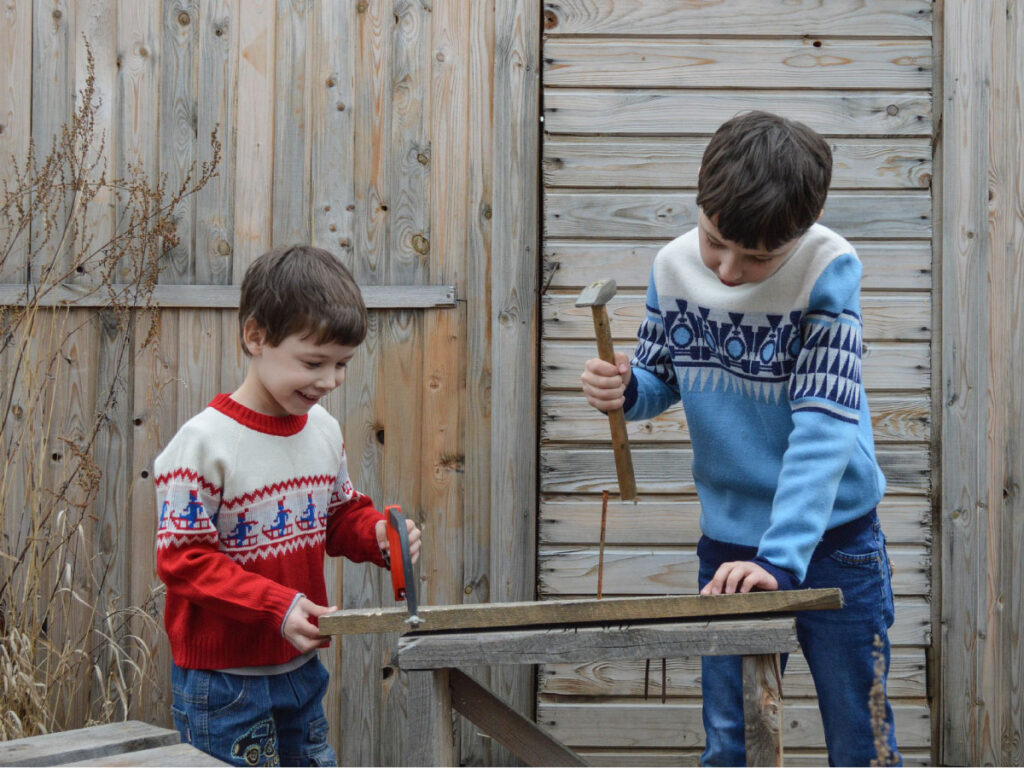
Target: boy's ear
<point>254,337</point>
<point>820,214</point>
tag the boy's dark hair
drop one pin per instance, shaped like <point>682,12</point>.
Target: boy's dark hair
<point>305,290</point>
<point>765,178</point>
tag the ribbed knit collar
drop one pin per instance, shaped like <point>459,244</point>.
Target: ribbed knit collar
<point>282,426</point>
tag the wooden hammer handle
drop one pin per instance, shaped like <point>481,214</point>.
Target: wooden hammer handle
<point>616,419</point>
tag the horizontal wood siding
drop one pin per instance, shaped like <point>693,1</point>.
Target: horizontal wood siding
<point>632,91</point>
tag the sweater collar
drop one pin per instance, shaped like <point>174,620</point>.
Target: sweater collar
<point>282,426</point>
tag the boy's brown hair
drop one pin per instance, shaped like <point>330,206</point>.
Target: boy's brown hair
<point>765,178</point>
<point>305,290</point>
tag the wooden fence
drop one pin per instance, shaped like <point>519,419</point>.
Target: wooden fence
<point>405,136</point>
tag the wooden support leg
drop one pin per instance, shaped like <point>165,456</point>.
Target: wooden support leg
<point>429,738</point>
<point>762,709</point>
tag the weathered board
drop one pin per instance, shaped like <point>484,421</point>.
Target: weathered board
<point>450,617</point>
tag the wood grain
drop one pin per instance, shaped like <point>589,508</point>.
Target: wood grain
<point>771,17</point>
<point>762,709</point>
<point>96,741</point>
<point>672,162</point>
<point>15,113</point>
<point>835,64</point>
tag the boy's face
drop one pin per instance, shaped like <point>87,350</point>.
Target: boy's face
<point>289,379</point>
<point>732,263</point>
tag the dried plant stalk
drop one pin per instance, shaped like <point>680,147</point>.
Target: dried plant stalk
<point>72,650</point>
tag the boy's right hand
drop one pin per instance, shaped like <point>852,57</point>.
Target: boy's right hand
<point>299,630</point>
<point>605,384</point>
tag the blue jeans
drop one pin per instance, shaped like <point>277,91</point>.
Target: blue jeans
<point>838,647</point>
<point>254,720</point>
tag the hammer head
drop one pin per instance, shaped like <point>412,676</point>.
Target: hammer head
<point>597,294</point>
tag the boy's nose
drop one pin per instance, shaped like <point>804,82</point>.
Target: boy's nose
<point>728,268</point>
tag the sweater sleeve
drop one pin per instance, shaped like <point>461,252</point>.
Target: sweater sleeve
<point>652,387</point>
<point>825,396</point>
<point>351,522</point>
<point>188,559</point>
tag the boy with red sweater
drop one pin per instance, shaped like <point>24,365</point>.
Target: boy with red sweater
<point>253,491</point>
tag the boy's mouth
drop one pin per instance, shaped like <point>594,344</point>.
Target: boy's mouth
<point>312,400</point>
<point>727,283</point>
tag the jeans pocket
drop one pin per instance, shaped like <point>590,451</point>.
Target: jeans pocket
<point>226,693</point>
<point>180,718</point>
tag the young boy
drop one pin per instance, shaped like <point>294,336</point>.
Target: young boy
<point>253,491</point>
<point>753,320</point>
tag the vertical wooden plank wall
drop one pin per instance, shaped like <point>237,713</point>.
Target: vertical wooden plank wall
<point>980,708</point>
<point>632,91</point>
<point>403,136</point>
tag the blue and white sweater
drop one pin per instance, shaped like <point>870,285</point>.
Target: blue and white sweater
<point>770,378</point>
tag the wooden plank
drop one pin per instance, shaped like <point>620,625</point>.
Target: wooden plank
<point>889,316</point>
<point>891,266</point>
<point>516,733</point>
<point>177,755</point>
<point>642,570</point>
<point>660,640</point>
<point>835,63</point>
<point>489,615</point>
<point>647,111</point>
<point>623,678</point>
<point>292,125</point>
<point>675,520</point>
<point>672,162</point>
<point>676,725</point>
<point>332,143</point>
<point>254,136</point>
<point>774,17</point>
<point>569,417</point>
<point>85,743</point>
<point>667,470</point>
<point>223,296</point>
<point>650,758</point>
<point>475,748</point>
<point>15,114</point>
<point>179,93</point>
<point>762,709</point>
<point>429,728</point>
<point>666,215</point>
<point>372,30</point>
<point>218,28</point>
<point>514,316</point>
<point>895,366</point>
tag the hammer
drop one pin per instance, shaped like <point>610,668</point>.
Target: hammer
<point>595,296</point>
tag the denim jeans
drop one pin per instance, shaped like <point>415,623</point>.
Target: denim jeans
<point>252,719</point>
<point>838,647</point>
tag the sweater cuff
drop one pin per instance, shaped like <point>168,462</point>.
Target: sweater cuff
<point>295,601</point>
<point>786,579</point>
<point>631,394</point>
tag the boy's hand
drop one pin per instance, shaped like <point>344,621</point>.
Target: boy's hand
<point>605,384</point>
<point>299,630</point>
<point>741,576</point>
<point>414,538</point>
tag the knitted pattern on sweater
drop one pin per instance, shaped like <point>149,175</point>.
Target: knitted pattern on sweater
<point>769,375</point>
<point>248,505</point>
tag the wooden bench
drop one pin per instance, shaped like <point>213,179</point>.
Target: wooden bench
<point>757,627</point>
<point>128,743</point>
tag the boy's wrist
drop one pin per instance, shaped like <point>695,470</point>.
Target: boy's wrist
<point>786,579</point>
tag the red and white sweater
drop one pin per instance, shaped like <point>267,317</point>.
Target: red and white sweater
<point>248,504</point>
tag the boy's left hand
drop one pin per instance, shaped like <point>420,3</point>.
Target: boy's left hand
<point>740,576</point>
<point>414,537</point>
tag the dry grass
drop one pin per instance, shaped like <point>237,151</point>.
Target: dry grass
<point>74,650</point>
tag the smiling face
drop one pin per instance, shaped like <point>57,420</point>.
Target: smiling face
<point>290,378</point>
<point>732,263</point>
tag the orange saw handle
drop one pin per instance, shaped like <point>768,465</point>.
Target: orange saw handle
<point>395,554</point>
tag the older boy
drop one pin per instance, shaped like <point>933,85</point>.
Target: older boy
<point>753,320</point>
<point>244,572</point>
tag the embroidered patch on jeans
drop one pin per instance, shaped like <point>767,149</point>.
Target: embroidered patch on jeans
<point>258,745</point>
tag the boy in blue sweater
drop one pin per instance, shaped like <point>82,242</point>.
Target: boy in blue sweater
<point>753,320</point>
